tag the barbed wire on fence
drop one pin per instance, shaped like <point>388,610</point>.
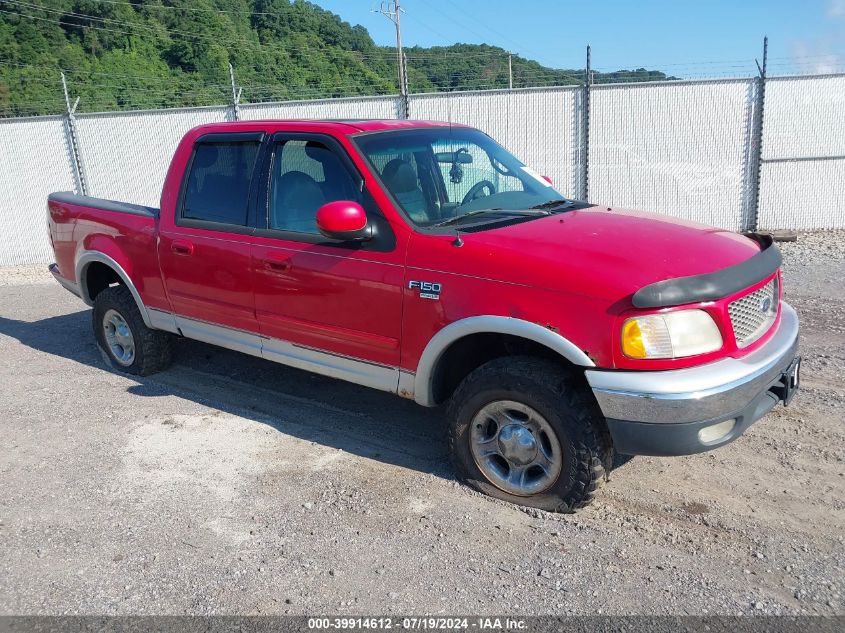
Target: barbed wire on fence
<point>104,91</point>
<point>101,90</point>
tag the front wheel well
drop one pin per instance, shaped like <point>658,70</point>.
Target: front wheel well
<point>470,352</point>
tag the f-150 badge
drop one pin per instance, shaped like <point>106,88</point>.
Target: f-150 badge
<point>428,289</point>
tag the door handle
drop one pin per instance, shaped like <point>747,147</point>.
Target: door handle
<point>182,247</point>
<point>278,265</point>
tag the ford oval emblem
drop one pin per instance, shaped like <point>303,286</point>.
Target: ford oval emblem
<point>765,304</point>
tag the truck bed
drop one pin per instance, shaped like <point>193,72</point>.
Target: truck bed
<point>124,233</point>
<point>68,197</point>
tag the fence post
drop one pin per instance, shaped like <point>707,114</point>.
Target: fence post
<point>584,192</point>
<point>73,141</point>
<point>236,96</point>
<point>756,165</point>
<point>404,106</point>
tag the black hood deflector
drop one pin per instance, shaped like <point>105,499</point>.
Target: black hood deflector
<point>712,286</point>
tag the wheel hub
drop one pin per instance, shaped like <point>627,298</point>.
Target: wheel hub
<point>515,447</point>
<point>119,338</point>
<point>517,444</point>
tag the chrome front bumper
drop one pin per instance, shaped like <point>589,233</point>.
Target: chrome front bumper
<point>662,412</point>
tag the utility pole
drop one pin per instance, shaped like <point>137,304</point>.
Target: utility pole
<point>72,139</point>
<point>510,71</point>
<point>236,96</point>
<point>393,14</point>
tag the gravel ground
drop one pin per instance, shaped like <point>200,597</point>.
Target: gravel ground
<point>230,485</point>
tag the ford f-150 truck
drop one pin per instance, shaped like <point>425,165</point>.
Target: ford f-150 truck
<point>423,259</point>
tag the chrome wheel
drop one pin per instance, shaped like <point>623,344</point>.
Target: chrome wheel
<point>119,338</point>
<point>515,448</point>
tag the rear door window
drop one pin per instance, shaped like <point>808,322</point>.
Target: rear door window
<point>218,185</point>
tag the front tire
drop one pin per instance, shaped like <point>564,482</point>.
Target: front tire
<point>522,429</point>
<point>125,341</point>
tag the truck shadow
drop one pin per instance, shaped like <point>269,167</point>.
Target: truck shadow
<point>331,412</point>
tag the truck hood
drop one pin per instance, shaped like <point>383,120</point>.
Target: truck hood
<point>597,252</point>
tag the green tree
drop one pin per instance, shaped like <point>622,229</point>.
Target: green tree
<point>123,54</point>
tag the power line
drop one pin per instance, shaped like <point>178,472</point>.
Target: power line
<point>133,25</point>
<point>378,54</point>
<point>449,81</point>
<point>184,8</point>
<point>78,71</point>
<point>157,31</point>
<point>455,5</point>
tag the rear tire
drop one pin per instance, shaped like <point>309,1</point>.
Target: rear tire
<point>125,341</point>
<point>525,430</point>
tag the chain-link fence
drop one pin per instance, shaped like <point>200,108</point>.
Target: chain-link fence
<point>690,149</point>
<point>35,159</point>
<point>802,183</point>
<point>680,148</point>
<point>536,124</point>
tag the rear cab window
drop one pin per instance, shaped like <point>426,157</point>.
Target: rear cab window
<point>216,190</point>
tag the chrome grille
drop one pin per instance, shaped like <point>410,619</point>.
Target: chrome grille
<point>753,314</point>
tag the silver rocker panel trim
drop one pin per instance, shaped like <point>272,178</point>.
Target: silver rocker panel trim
<point>360,372</point>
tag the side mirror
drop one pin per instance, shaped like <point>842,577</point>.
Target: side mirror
<point>344,220</point>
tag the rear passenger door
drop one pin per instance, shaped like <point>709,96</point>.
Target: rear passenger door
<point>330,306</point>
<point>205,249</point>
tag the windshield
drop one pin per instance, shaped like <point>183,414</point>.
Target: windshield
<point>440,175</point>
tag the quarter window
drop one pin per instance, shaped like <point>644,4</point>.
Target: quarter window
<point>218,184</point>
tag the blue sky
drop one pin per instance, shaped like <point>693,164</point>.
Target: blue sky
<point>683,37</point>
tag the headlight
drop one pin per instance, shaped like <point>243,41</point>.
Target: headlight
<point>670,335</point>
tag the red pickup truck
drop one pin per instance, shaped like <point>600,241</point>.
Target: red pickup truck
<point>423,259</point>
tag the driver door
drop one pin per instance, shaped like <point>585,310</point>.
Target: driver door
<point>328,306</point>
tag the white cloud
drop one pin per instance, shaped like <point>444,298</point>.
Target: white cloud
<point>836,9</point>
<point>814,59</point>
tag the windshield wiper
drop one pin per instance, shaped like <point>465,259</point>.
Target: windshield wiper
<point>459,218</point>
<point>550,204</point>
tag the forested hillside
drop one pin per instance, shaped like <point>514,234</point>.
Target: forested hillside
<point>120,54</point>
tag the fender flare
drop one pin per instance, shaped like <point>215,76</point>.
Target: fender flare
<point>89,257</point>
<point>423,387</point>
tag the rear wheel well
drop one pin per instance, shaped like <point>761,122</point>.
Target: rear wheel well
<point>98,277</point>
<point>470,352</point>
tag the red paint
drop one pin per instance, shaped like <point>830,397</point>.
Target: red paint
<point>347,302</point>
<point>573,272</point>
<point>341,216</point>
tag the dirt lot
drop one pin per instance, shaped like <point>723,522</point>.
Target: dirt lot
<point>231,485</point>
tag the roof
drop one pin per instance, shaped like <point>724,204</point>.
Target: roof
<point>373,125</point>
<point>340,126</point>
